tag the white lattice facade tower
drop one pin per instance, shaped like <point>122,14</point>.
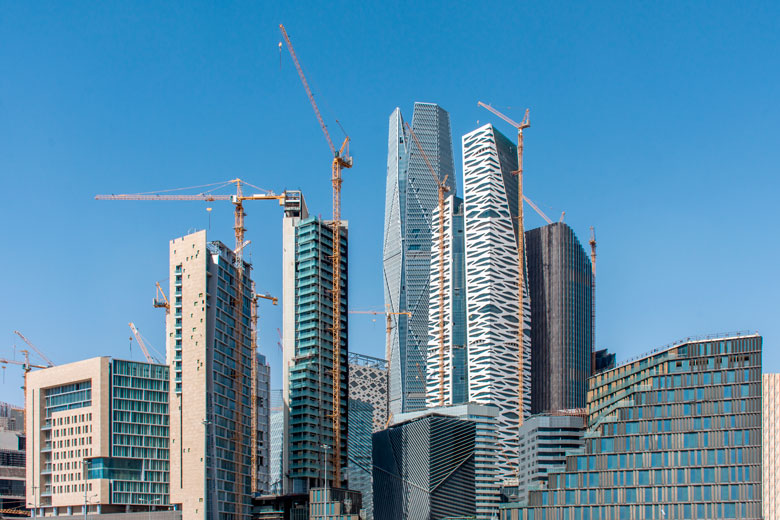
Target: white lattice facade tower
<point>490,195</point>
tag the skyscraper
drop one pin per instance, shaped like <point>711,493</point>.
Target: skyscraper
<point>263,425</point>
<point>359,468</point>
<point>559,280</point>
<point>455,387</point>
<point>310,447</point>
<point>277,442</point>
<point>674,434</point>
<point>411,196</point>
<point>490,198</point>
<point>210,352</point>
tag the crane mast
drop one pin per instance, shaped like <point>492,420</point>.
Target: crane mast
<point>341,159</point>
<point>255,298</point>
<point>520,251</point>
<point>442,190</point>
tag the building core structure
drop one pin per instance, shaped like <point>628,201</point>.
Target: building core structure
<point>452,361</point>
<point>675,434</point>
<point>492,243</point>
<point>209,349</point>
<point>411,196</point>
<point>309,348</point>
<point>368,383</point>
<point>560,287</point>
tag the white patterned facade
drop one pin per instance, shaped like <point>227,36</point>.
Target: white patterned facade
<point>771,446</point>
<point>490,196</point>
<point>410,198</point>
<point>455,373</point>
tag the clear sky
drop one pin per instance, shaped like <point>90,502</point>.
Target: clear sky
<point>655,122</point>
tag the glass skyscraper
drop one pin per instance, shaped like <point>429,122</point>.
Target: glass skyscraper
<point>411,196</point>
<point>672,435</point>
<point>559,282</point>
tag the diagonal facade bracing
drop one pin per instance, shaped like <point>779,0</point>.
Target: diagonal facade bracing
<point>411,196</point>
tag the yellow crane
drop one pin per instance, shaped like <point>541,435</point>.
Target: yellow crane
<point>520,250</point>
<point>442,189</point>
<point>341,159</point>
<point>160,300</point>
<point>239,217</point>
<point>255,298</point>
<point>388,330</point>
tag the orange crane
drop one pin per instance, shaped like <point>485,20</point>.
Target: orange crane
<point>520,250</point>
<point>388,353</point>
<point>36,349</point>
<point>160,300</point>
<point>341,159</point>
<point>443,189</point>
<point>147,355</point>
<point>255,298</point>
<point>238,202</point>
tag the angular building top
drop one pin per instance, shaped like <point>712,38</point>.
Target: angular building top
<point>411,196</point>
<point>492,243</point>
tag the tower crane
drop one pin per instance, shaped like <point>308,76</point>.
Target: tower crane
<point>147,355</point>
<point>160,300</point>
<point>341,159</point>
<point>239,217</point>
<point>36,349</point>
<point>520,250</point>
<point>255,298</point>
<point>388,347</point>
<point>27,366</point>
<point>442,189</point>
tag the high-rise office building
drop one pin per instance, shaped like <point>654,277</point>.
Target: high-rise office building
<point>544,442</point>
<point>12,457</point>
<point>368,383</point>
<point>425,468</point>
<point>310,447</point>
<point>276,449</point>
<point>771,446</point>
<point>263,425</point>
<point>210,352</point>
<point>411,196</point>
<point>490,199</point>
<point>359,468</point>
<point>453,295</point>
<point>559,281</point>
<point>99,428</point>
<point>674,434</point>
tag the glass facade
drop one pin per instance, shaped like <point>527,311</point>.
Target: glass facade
<point>411,196</point>
<point>311,437</point>
<point>673,435</point>
<point>139,466</point>
<point>359,468</point>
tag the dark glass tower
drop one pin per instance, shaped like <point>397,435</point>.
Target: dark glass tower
<point>559,279</point>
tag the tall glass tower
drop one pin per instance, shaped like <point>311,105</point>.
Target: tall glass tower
<point>411,197</point>
<point>559,279</point>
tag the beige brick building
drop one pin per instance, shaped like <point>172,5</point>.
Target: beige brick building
<point>97,438</point>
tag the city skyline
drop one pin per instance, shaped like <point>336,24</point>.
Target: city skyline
<point>672,255</point>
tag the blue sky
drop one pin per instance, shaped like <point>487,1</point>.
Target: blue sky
<point>656,122</point>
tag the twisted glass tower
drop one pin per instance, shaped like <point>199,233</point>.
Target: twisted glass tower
<point>411,197</point>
